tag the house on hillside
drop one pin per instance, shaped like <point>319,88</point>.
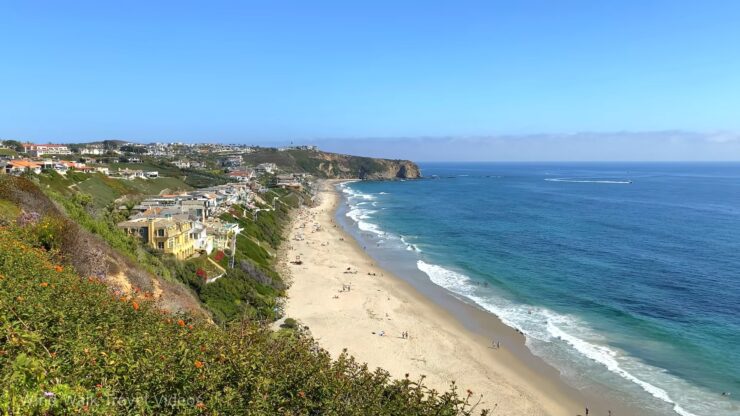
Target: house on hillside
<point>242,175</point>
<point>17,167</point>
<point>201,240</point>
<point>170,236</point>
<point>263,168</point>
<point>129,174</point>
<point>198,208</point>
<point>231,161</point>
<point>223,233</point>
<point>92,149</point>
<point>37,150</point>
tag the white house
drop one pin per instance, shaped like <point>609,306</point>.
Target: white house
<point>46,149</point>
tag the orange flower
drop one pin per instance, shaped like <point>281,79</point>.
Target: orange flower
<point>301,394</point>
<point>181,322</point>
<point>135,305</point>
<point>200,405</point>
<point>58,268</point>
<point>198,364</point>
<point>43,284</point>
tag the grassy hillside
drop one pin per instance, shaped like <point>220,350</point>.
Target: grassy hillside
<point>252,289</point>
<point>105,190</point>
<point>191,177</point>
<point>69,345</point>
<point>91,244</point>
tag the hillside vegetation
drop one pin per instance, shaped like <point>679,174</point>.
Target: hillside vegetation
<point>71,345</point>
<point>251,289</point>
<point>91,243</point>
<point>103,189</point>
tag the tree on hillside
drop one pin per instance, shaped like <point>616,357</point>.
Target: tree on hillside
<point>134,149</point>
<point>14,144</point>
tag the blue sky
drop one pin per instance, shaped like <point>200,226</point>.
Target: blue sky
<point>275,71</point>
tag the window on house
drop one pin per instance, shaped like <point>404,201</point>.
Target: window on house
<point>160,245</point>
<point>160,232</point>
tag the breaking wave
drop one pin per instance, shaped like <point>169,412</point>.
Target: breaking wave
<point>575,180</point>
<point>545,326</point>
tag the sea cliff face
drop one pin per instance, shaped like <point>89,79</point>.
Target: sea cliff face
<point>334,165</point>
<point>355,167</point>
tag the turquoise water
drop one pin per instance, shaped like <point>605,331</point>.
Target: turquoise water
<point>623,276</point>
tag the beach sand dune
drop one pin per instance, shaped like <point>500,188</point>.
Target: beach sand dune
<point>347,302</point>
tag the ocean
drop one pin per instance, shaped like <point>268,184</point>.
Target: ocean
<point>623,276</point>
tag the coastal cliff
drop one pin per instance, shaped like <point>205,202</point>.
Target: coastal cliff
<point>336,166</point>
<point>350,167</point>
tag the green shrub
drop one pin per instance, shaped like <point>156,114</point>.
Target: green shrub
<point>289,323</point>
<point>68,345</point>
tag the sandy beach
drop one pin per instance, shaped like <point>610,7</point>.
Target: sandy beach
<point>348,302</point>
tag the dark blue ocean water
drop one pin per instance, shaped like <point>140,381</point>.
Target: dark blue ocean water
<point>621,275</point>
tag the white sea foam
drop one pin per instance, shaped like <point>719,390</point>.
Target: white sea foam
<point>448,279</point>
<point>410,246</point>
<point>609,358</point>
<point>543,325</point>
<point>574,180</point>
<point>356,200</point>
<point>360,216</point>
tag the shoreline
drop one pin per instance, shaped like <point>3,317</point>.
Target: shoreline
<point>441,345</point>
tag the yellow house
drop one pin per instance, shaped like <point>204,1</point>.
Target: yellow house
<point>167,235</point>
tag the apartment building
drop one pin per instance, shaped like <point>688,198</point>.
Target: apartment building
<point>46,149</point>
